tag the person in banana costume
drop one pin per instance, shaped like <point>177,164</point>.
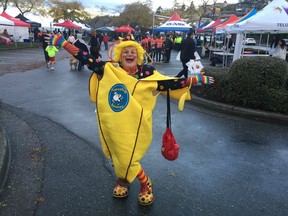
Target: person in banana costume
<point>125,92</point>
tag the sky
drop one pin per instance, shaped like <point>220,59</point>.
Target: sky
<point>90,6</point>
<point>156,3</point>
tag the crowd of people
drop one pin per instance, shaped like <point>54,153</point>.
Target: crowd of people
<point>158,47</point>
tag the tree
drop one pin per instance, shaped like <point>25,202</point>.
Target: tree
<point>100,21</point>
<point>73,11</point>
<point>35,7</point>
<point>136,14</point>
<point>202,10</point>
<point>4,4</point>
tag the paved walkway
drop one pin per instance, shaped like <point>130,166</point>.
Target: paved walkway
<point>227,167</point>
<point>21,60</point>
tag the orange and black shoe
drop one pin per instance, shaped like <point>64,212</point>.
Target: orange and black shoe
<point>121,189</point>
<point>146,196</point>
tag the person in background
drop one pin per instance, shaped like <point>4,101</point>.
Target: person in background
<point>36,37</point>
<point>6,34</point>
<point>100,39</point>
<point>105,41</point>
<point>274,44</point>
<point>125,91</point>
<point>159,44</point>
<point>146,44</point>
<point>6,38</point>
<point>65,33</point>
<point>51,50</point>
<point>177,42</point>
<point>280,50</point>
<point>187,53</point>
<point>94,45</point>
<point>71,39</point>
<point>168,48</point>
<point>43,35</point>
<point>153,46</point>
<point>195,40</point>
<point>128,36</point>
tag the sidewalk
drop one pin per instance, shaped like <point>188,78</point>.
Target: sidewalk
<point>18,60</point>
<point>22,60</point>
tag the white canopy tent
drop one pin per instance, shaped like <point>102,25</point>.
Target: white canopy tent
<point>271,19</point>
<point>83,26</point>
<point>175,23</point>
<point>6,22</point>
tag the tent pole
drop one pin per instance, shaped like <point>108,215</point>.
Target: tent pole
<point>260,43</point>
<point>267,42</point>
<point>243,47</point>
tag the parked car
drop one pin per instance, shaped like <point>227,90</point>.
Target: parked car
<point>250,41</point>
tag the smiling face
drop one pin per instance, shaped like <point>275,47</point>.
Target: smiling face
<point>129,57</point>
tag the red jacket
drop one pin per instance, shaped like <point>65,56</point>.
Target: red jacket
<point>105,38</point>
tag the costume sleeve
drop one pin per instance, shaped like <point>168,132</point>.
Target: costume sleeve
<point>91,62</point>
<point>174,84</point>
<point>85,58</point>
<point>199,78</point>
<point>183,82</point>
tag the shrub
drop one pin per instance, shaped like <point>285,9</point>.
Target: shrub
<point>255,82</point>
<point>19,45</point>
<point>212,92</point>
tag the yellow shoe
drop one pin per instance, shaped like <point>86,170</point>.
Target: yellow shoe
<point>146,196</point>
<point>121,189</point>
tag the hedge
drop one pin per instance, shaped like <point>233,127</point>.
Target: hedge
<point>251,82</point>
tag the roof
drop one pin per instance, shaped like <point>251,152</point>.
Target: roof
<point>67,24</point>
<point>26,20</point>
<point>175,23</point>
<point>17,22</point>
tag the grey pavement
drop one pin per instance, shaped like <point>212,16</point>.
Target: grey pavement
<point>228,165</point>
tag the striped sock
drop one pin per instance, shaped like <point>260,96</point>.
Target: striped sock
<point>142,176</point>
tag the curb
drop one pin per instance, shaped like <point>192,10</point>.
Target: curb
<point>243,112</point>
<point>4,158</point>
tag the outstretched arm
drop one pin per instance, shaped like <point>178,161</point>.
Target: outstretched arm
<point>90,61</point>
<point>183,82</point>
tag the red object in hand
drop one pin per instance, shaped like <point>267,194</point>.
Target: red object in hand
<point>170,149</point>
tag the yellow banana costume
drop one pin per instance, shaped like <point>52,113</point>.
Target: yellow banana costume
<point>124,113</point>
<point>124,102</point>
